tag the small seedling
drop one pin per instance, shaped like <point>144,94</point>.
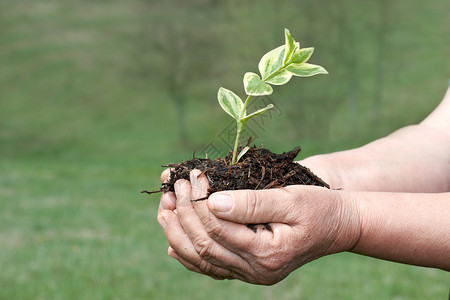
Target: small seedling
<point>276,68</point>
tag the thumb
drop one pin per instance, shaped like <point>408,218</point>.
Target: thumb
<point>253,206</point>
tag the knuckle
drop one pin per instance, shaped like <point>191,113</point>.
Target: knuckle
<point>205,267</point>
<point>213,228</point>
<point>203,245</point>
<point>270,262</point>
<point>272,265</point>
<point>275,259</point>
<point>256,203</point>
<point>166,201</point>
<point>290,204</point>
<point>252,200</point>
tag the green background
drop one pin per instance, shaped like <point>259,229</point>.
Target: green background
<point>96,95</point>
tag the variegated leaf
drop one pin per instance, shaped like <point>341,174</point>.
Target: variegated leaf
<point>302,55</point>
<point>271,62</point>
<point>306,70</point>
<point>289,46</point>
<point>230,102</point>
<point>254,86</point>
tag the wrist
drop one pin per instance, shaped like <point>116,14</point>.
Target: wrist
<point>350,225</point>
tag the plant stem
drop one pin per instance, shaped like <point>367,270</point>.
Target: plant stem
<point>283,67</point>
<point>245,107</point>
<point>239,125</point>
<point>236,142</point>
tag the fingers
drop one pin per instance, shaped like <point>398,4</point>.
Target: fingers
<point>181,246</point>
<point>165,175</point>
<point>210,237</point>
<point>203,245</point>
<point>208,245</point>
<point>168,201</point>
<point>236,236</point>
<point>231,273</point>
<point>200,186</point>
<point>253,206</point>
<point>184,251</point>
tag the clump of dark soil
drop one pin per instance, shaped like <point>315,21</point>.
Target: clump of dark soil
<point>258,169</point>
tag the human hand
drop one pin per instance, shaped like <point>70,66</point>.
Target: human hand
<point>307,223</point>
<point>168,200</point>
<point>181,224</point>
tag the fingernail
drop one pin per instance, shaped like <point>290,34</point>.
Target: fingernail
<point>194,177</point>
<point>172,253</point>
<point>178,185</point>
<point>222,202</point>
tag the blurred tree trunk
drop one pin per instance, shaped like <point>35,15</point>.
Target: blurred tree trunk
<point>174,34</point>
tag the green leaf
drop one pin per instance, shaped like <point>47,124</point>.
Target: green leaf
<point>230,102</point>
<point>289,46</point>
<point>302,55</point>
<point>306,70</point>
<point>280,78</point>
<point>271,62</point>
<point>254,86</point>
<point>242,153</point>
<point>258,112</point>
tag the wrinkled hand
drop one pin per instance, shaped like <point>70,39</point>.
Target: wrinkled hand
<point>188,240</point>
<point>210,237</point>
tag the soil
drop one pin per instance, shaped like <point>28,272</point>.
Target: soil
<point>258,169</point>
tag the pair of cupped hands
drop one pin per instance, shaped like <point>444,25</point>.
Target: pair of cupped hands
<point>210,237</point>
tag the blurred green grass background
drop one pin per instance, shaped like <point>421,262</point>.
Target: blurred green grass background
<point>96,95</point>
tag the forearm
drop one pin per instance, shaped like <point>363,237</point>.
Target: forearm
<point>412,159</point>
<point>402,227</point>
